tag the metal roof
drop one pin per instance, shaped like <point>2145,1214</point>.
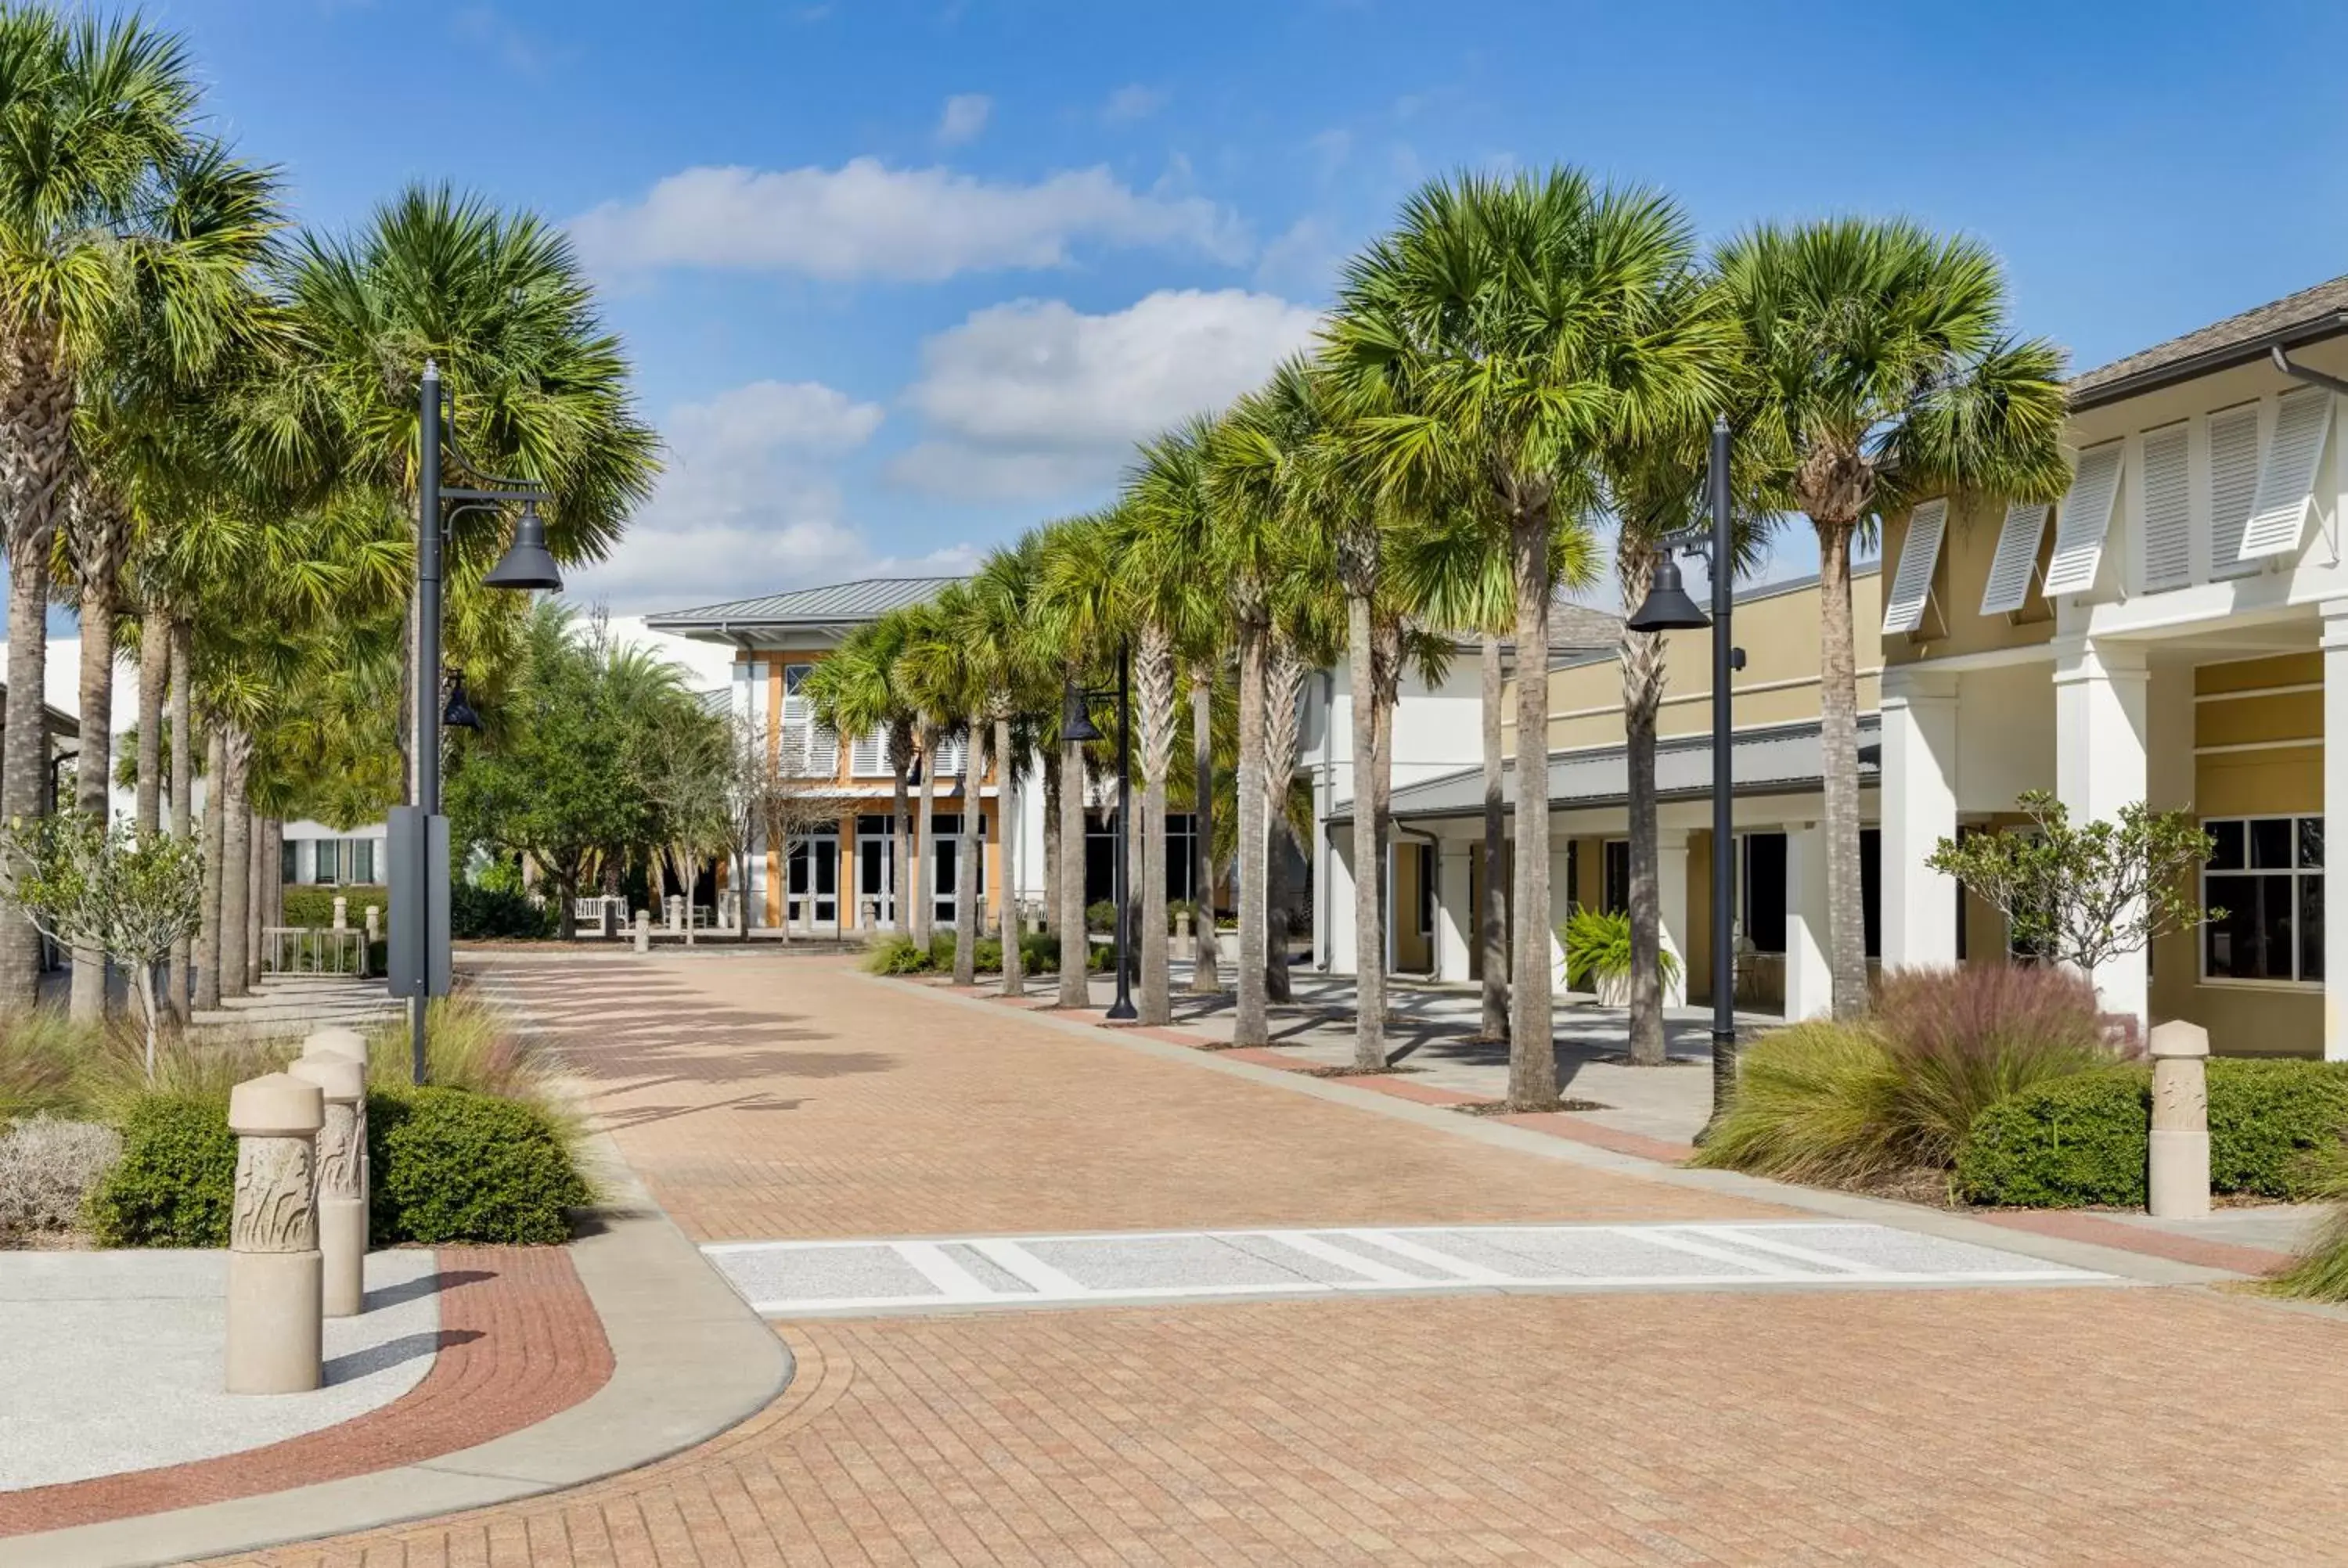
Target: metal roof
<point>834,604</point>
<point>2303,317</point>
<point>1776,761</point>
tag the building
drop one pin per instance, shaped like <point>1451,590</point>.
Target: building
<point>1434,878</point>
<point>2174,631</point>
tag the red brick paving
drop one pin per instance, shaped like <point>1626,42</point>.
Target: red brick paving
<point>1960,1427</point>
<point>2071,1226</point>
<point>518,1342</point>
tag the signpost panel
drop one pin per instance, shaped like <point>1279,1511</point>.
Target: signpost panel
<point>418,856</point>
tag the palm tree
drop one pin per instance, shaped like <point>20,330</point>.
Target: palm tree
<point>1165,524</point>
<point>1205,966</point>
<point>1506,333</point>
<point>1884,371</point>
<point>1011,671</point>
<point>100,115</point>
<point>1078,620</point>
<point>856,692</point>
<point>950,689</point>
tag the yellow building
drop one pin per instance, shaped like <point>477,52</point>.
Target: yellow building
<point>2174,630</point>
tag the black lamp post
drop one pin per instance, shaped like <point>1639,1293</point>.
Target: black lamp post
<point>1077,724</point>
<point>1669,608</point>
<point>419,970</point>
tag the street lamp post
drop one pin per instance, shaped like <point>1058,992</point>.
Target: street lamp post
<point>419,968</point>
<point>1669,608</point>
<point>1077,725</point>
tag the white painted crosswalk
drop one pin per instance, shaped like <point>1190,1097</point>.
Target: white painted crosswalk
<point>806,1278</point>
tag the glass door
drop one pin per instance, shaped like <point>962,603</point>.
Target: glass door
<point>815,879</point>
<point>875,883</point>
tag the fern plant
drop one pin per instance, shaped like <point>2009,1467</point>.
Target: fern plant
<point>1598,947</point>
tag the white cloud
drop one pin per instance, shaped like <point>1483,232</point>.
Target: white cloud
<point>1035,399</point>
<point>964,116</point>
<point>748,505</point>
<point>867,219</point>
<point>1133,102</point>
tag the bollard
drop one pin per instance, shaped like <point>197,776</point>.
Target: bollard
<point>1181,933</point>
<point>342,913</point>
<point>350,1045</point>
<point>342,1194</point>
<point>868,916</point>
<point>643,930</point>
<point>675,912</point>
<point>2178,1179</point>
<point>374,924</point>
<point>274,1271</point>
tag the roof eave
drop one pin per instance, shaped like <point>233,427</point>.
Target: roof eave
<point>2208,362</point>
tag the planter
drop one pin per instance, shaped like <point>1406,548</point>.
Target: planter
<point>1613,990</point>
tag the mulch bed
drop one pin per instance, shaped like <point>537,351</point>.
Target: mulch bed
<point>1507,1107</point>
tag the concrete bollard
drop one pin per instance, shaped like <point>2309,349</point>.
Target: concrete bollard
<point>374,924</point>
<point>675,911</point>
<point>275,1276</point>
<point>1181,934</point>
<point>350,1045</point>
<point>2179,1180</point>
<point>342,1191</point>
<point>868,916</point>
<point>342,913</point>
<point>643,930</point>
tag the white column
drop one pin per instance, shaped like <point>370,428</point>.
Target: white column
<point>1671,904</point>
<point>1919,809</point>
<point>1340,913</point>
<point>1809,981</point>
<point>1560,905</point>
<point>1455,916</point>
<point>2099,767</point>
<point>2335,809</point>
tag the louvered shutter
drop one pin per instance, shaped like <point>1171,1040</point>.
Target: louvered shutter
<point>2008,588</point>
<point>867,758</point>
<point>950,755</point>
<point>1911,585</point>
<point>2287,479</point>
<point>2168,510</point>
<point>2233,484</point>
<point>823,752</point>
<point>2085,519</point>
<point>797,725</point>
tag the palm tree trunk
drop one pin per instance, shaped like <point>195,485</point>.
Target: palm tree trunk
<point>94,762</point>
<point>1492,912</point>
<point>1533,1050</point>
<point>900,764</point>
<point>236,865</point>
<point>183,786</point>
<point>207,938</point>
<point>1206,961</point>
<point>154,677</point>
<point>1251,1024</point>
<point>966,852</point>
<point>24,745</point>
<point>1839,746</point>
<point>1283,736</point>
<point>924,837</point>
<point>255,903</point>
<point>1154,678</point>
<point>1642,694</point>
<point>1369,935</point>
<point>1076,942</point>
<point>1007,883</point>
<point>1049,761</point>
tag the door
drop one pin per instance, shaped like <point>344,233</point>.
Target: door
<point>875,881</point>
<point>945,871</point>
<point>815,878</point>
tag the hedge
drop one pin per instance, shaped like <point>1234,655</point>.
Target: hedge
<point>450,1165</point>
<point>307,904</point>
<point>2083,1140</point>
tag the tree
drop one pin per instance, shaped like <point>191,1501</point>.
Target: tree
<point>99,118</point>
<point>1506,332</point>
<point>1076,623</point>
<point>687,766</point>
<point>856,692</point>
<point>128,892</point>
<point>1012,671</point>
<point>2080,896</point>
<point>1883,373</point>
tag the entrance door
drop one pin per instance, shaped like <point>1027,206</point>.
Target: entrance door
<point>944,871</point>
<point>875,880</point>
<point>815,877</point>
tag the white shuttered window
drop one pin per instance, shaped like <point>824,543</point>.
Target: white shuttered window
<point>2233,485</point>
<point>2167,508</point>
<point>2287,479</point>
<point>1911,585</point>
<point>869,757</point>
<point>2085,519</point>
<point>2010,570</point>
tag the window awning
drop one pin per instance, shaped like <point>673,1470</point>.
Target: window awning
<point>2085,519</point>
<point>1919,552</point>
<point>2016,560</point>
<point>2287,479</point>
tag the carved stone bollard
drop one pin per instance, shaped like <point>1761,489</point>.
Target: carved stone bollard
<point>643,930</point>
<point>342,913</point>
<point>349,1045</point>
<point>342,1190</point>
<point>374,924</point>
<point>868,916</point>
<point>2178,1179</point>
<point>274,1271</point>
<point>1181,934</point>
<point>676,911</point>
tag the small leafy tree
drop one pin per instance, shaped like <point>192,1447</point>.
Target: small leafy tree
<point>2082,895</point>
<point>89,885</point>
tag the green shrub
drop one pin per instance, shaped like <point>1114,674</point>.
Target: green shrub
<point>986,955</point>
<point>1963,1039</point>
<point>2275,1130</point>
<point>489,913</point>
<point>454,1166</point>
<point>1101,916</point>
<point>42,1056</point>
<point>2320,1272</point>
<point>1815,1102</point>
<point>1597,947</point>
<point>1039,953</point>
<point>174,1184</point>
<point>895,954</point>
<point>941,951</point>
<point>314,906</point>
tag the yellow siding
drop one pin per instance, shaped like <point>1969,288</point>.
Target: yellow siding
<point>2249,674</point>
<point>1953,623</point>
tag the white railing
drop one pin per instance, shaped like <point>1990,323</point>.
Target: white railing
<point>314,950</point>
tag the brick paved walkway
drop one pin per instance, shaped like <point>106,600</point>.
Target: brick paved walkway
<point>772,1098</point>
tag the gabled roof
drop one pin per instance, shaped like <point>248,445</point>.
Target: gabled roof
<point>835,604</point>
<point>2303,317</point>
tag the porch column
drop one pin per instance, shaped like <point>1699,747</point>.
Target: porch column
<point>2099,767</point>
<point>1339,918</point>
<point>1560,905</point>
<point>1671,904</point>
<point>1809,981</point>
<point>2335,809</point>
<point>1454,914</point>
<point>1919,809</point>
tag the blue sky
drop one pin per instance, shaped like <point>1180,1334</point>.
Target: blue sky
<point>901,278</point>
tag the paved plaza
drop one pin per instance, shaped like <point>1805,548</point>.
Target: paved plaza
<point>2149,1415</point>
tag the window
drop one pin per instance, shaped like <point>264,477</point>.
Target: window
<point>361,853</point>
<point>1764,912</point>
<point>1616,891</point>
<point>808,749</point>
<point>289,856</point>
<point>2267,874</point>
<point>328,866</point>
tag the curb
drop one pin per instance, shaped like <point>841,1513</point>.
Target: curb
<point>2143,1267</point>
<point>689,1360</point>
